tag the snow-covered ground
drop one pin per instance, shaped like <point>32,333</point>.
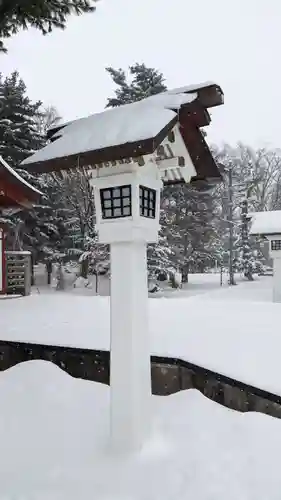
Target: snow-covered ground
<point>54,429</point>
<point>232,331</point>
<point>54,434</point>
<point>199,283</point>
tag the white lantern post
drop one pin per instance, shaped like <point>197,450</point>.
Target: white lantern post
<point>127,199</point>
<point>127,209</point>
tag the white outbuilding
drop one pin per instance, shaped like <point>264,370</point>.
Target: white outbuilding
<point>268,224</point>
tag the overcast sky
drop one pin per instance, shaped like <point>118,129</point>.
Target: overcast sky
<point>234,43</point>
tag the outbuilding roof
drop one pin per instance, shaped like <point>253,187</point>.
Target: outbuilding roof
<point>266,223</point>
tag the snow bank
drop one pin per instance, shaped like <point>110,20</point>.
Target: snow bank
<point>238,339</point>
<point>54,433</point>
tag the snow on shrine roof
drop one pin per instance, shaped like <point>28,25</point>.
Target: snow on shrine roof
<point>13,174</point>
<point>266,223</point>
<point>128,124</point>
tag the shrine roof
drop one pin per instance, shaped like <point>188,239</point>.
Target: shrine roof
<point>14,190</point>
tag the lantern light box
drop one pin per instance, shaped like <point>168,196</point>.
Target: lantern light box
<point>116,202</point>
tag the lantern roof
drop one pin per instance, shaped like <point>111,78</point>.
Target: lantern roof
<point>133,130</point>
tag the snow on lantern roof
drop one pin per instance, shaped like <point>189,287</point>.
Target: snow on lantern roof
<point>138,124</point>
<point>14,190</point>
<point>133,130</point>
<point>209,93</point>
<point>266,223</point>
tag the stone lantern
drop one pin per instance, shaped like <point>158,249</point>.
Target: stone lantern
<point>129,152</point>
<point>127,200</point>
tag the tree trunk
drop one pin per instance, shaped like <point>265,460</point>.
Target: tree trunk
<point>97,282</point>
<point>60,278</point>
<point>185,273</point>
<point>84,268</point>
<point>49,269</point>
<point>249,275</point>
<point>32,269</point>
<point>245,241</point>
<point>231,231</point>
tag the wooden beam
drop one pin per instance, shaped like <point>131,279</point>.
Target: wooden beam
<point>199,151</point>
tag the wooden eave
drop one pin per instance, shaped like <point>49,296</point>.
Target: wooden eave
<point>201,156</point>
<point>209,96</point>
<point>127,150</point>
<point>271,234</point>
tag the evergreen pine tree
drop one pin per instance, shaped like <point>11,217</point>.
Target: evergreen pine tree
<point>41,14</point>
<point>246,261</point>
<point>143,82</point>
<point>245,194</point>
<point>18,131</point>
<point>190,228</point>
<point>78,197</point>
<point>20,135</point>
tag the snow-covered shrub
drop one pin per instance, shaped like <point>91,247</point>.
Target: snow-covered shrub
<point>162,275</point>
<point>81,282</point>
<point>94,259</point>
<point>153,287</point>
<point>60,281</point>
<point>176,279</point>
